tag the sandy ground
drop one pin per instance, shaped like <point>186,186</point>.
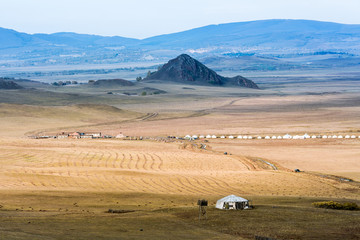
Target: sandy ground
<point>154,167</point>
<point>181,167</point>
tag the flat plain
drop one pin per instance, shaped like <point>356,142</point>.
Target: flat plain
<point>62,188</point>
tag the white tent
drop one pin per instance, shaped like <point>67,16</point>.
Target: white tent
<point>187,137</point>
<point>287,136</point>
<point>232,202</point>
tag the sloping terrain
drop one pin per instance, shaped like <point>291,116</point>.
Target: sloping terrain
<point>186,69</point>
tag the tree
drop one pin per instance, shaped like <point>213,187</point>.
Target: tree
<point>138,79</point>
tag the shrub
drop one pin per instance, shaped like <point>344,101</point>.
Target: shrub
<point>336,205</point>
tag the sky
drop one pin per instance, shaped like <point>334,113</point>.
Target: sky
<point>146,18</point>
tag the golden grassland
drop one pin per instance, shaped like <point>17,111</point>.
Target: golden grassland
<point>62,188</point>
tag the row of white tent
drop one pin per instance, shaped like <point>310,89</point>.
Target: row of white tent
<point>286,136</point>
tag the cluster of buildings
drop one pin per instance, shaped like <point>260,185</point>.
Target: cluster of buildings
<point>73,135</point>
<point>273,137</point>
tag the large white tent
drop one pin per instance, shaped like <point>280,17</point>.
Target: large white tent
<point>232,202</point>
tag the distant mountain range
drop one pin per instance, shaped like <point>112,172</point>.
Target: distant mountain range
<point>264,40</point>
<point>185,69</point>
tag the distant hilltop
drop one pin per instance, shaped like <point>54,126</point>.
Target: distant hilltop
<point>186,69</point>
<point>8,84</point>
<point>272,44</point>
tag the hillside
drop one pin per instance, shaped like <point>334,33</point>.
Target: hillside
<point>186,69</point>
<point>5,84</point>
<point>282,39</point>
<point>112,83</point>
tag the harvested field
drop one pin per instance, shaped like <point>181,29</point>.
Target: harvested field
<point>152,167</point>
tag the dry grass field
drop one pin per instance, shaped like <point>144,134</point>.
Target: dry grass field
<point>62,188</point>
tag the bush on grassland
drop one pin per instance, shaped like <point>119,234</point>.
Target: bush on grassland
<point>337,205</point>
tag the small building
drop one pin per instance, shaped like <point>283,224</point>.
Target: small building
<point>120,135</point>
<point>74,135</point>
<point>233,202</point>
<point>62,135</point>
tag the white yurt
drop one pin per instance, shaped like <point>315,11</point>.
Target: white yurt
<point>287,136</point>
<point>194,137</point>
<point>279,137</point>
<point>245,137</point>
<point>239,137</point>
<point>267,137</point>
<point>120,135</point>
<point>232,202</point>
<point>187,137</point>
<point>334,136</point>
<point>313,136</point>
<point>324,136</point>
<point>213,136</point>
<point>259,137</point>
<point>273,137</point>
<point>347,136</point>
<point>250,137</point>
<point>208,136</point>
<point>353,136</point>
<point>306,136</point>
<point>340,136</point>
<point>231,137</point>
<point>201,136</point>
<point>222,137</point>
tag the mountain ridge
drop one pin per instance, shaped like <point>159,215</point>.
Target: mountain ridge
<point>188,70</point>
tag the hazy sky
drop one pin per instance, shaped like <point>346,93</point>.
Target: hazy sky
<point>144,18</point>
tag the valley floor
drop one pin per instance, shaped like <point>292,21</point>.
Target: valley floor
<point>62,188</point>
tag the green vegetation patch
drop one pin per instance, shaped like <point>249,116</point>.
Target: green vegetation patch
<point>337,205</point>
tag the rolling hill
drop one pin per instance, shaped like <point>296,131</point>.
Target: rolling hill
<point>186,69</point>
<point>280,39</point>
